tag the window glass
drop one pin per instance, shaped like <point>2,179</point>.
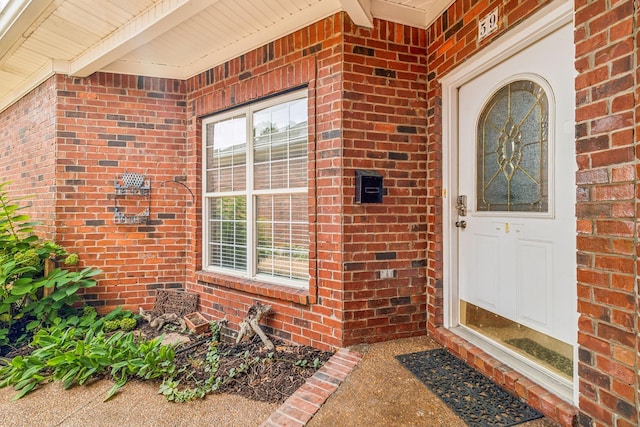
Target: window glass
<point>513,145</point>
<point>283,236</point>
<point>256,184</point>
<point>228,232</point>
<point>226,155</point>
<point>280,146</point>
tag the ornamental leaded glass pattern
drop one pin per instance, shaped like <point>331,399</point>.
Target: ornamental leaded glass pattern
<point>513,150</point>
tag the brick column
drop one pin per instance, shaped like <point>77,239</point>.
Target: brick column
<point>606,211</point>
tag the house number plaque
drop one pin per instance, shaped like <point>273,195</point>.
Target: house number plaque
<point>488,24</point>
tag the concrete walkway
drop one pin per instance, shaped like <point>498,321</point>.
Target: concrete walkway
<point>380,392</point>
<point>363,386</point>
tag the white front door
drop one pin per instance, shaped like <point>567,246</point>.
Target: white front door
<point>516,175</point>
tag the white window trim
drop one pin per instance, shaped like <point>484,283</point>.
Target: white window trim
<point>250,193</point>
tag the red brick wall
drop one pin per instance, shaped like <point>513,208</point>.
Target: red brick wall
<point>106,125</point>
<point>606,52</point>
<point>384,129</point>
<point>636,32</point>
<point>374,103</point>
<point>27,153</point>
<point>311,56</point>
<point>376,123</point>
<point>607,191</point>
<point>109,124</point>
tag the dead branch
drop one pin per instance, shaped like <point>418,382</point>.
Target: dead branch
<point>251,324</point>
<point>158,322</point>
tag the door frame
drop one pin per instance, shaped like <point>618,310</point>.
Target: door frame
<point>534,28</point>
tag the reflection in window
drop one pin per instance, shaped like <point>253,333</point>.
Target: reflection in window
<point>257,195</point>
<point>226,155</point>
<point>543,349</point>
<point>513,145</point>
<point>280,146</point>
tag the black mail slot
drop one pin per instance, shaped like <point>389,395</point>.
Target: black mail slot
<point>368,186</point>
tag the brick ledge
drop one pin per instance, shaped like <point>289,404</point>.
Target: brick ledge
<point>280,292</point>
<point>303,404</point>
<point>547,403</point>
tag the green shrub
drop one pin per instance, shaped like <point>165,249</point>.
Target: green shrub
<point>128,324</point>
<point>111,325</point>
<point>73,355</point>
<point>23,306</point>
<point>88,310</point>
<point>118,313</point>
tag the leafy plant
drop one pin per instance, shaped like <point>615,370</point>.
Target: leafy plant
<point>216,329</point>
<point>119,319</point>
<point>111,325</point>
<point>303,363</point>
<point>128,324</point>
<point>170,387</point>
<point>118,314</point>
<point>75,354</point>
<point>24,305</point>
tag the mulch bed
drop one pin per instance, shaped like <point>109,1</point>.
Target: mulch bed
<point>272,376</point>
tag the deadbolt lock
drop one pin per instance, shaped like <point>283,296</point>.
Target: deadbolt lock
<point>461,205</point>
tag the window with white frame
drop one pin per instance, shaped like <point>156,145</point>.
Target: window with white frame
<point>256,199</point>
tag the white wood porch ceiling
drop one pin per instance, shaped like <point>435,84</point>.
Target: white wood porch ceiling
<point>162,38</point>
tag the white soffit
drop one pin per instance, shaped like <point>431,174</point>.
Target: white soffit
<point>162,38</point>
<point>416,13</point>
<point>221,32</point>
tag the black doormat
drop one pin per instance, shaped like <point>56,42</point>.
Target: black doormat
<point>471,395</point>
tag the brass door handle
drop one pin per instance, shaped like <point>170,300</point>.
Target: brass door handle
<point>461,224</point>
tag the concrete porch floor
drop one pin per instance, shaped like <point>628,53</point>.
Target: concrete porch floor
<point>373,391</point>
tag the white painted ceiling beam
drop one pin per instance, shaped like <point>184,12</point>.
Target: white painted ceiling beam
<point>147,69</point>
<point>27,57</point>
<point>435,10</point>
<point>162,17</point>
<point>359,11</point>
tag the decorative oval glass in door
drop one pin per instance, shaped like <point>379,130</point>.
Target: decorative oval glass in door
<point>513,150</point>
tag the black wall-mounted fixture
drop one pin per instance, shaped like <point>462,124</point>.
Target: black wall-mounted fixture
<point>368,186</point>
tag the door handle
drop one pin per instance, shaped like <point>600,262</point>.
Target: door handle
<point>461,224</point>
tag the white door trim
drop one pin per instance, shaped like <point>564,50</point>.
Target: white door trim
<point>541,24</point>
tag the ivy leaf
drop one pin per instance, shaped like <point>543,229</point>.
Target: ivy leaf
<point>58,295</point>
<point>90,272</point>
<point>69,377</point>
<point>55,361</point>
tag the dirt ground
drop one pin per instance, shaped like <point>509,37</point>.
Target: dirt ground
<point>270,375</point>
<point>249,369</point>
